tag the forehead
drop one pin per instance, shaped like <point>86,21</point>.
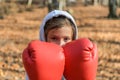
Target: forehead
<point>62,31</point>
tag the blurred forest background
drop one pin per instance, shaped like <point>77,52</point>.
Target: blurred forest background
<point>98,20</point>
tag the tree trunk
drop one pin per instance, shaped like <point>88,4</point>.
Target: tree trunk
<point>95,2</point>
<point>29,3</point>
<point>53,5</point>
<point>62,4</point>
<point>112,9</point>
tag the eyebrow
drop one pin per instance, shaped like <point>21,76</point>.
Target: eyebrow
<point>58,36</point>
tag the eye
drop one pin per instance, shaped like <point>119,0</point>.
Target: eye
<point>53,38</point>
<point>66,39</point>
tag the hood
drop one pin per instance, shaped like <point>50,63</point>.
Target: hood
<point>52,14</point>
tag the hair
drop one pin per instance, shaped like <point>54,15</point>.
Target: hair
<point>58,22</point>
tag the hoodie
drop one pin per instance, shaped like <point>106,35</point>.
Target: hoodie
<point>56,13</point>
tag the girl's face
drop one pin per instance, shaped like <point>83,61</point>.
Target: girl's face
<point>60,36</point>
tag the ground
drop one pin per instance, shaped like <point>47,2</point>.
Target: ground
<point>18,29</point>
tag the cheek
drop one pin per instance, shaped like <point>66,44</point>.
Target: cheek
<point>67,41</point>
<point>49,40</point>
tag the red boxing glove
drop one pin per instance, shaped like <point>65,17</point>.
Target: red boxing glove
<point>81,59</point>
<point>43,61</point>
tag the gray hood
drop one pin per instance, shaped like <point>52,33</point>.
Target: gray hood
<point>52,14</point>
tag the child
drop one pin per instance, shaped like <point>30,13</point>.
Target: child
<point>58,27</point>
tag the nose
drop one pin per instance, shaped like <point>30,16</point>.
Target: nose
<point>61,42</point>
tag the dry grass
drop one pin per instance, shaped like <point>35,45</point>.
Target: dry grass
<point>17,30</point>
